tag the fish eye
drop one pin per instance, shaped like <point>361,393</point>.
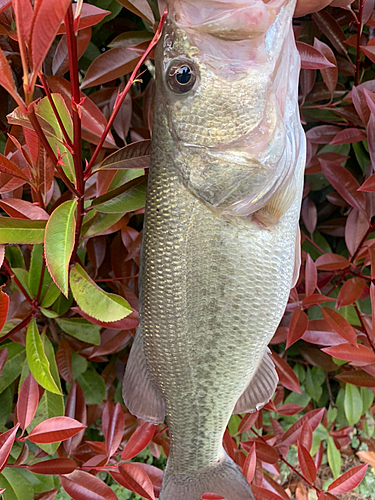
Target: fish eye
<point>181,77</point>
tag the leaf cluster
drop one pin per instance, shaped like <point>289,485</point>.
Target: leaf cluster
<point>76,85</point>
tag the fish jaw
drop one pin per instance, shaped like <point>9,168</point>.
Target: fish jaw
<point>253,127</point>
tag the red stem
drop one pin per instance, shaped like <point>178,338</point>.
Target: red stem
<point>359,314</point>
<point>122,95</point>
<point>314,244</point>
<point>18,283</point>
<point>41,281</point>
<point>359,36</point>
<point>17,328</point>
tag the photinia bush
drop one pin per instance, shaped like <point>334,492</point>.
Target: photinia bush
<point>75,119</point>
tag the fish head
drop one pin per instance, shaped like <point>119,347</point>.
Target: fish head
<point>215,73</point>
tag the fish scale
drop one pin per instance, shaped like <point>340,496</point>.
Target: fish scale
<point>214,285</point>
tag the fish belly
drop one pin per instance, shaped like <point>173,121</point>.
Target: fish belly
<point>213,291</point>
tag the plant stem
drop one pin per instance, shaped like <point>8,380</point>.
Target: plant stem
<point>359,314</point>
<point>17,328</point>
<point>369,230</point>
<point>314,244</point>
<point>54,109</point>
<point>17,282</point>
<point>77,129</point>
<point>122,95</point>
<point>359,36</point>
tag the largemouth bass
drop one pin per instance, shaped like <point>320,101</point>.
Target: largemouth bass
<point>220,244</point>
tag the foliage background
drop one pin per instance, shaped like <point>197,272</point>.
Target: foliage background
<point>70,233</point>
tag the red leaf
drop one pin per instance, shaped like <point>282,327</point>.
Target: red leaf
<point>3,358</point>
<point>349,480</point>
<point>309,214</point>
<point>312,58</point>
<point>6,79</point>
<point>261,493</point>
<point>112,64</point>
<point>319,332</point>
<point>28,400</point>
<point>292,434</point>
<point>319,456</point>
<point>329,74</point>
<point>311,276</point>
<point>316,299</point>
<point>248,468</point>
<point>332,30</point>
<point>369,185</point>
<point>138,441</point>
<point>370,129</point>
<point>360,104</point>
<point>348,136</point>
<point>90,16</point>
<point>322,134</point>
<point>155,474</point>
<point>356,228</point>
<point>350,292</point>
<point>357,377</point>
<point>6,442</point>
<point>75,408</point>
<point>306,463</point>
<point>113,430</point>
<point>286,375</point>
<point>265,452</point>
<point>93,120</point>
<point>247,422</point>
<point>55,429</point>
<point>21,209</point>
<point>331,262</point>
<point>54,466</point>
<point>137,480</point>
<point>340,325</point>
<point>83,486</point>
<point>345,184</point>
<point>4,306</point>
<point>369,51</point>
<point>289,409</point>
<point>48,495</point>
<point>361,354</point>
<point>48,15</point>
<point>297,327</point>
<point>60,63</point>
<point>64,361</point>
<point>306,436</point>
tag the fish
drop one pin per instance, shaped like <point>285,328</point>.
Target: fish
<point>220,249</point>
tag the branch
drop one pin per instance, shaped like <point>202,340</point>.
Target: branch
<point>122,95</point>
<point>17,282</point>
<point>24,323</point>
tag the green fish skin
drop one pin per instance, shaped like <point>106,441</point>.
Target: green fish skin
<point>220,247</point>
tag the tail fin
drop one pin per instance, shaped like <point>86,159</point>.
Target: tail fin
<point>224,479</point>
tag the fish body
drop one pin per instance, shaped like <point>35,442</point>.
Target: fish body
<point>220,242</point>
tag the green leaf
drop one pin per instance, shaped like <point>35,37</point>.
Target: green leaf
<point>353,405</point>
<point>50,354</point>
<point>79,365</point>
<point>59,243</point>
<point>367,398</point>
<point>313,388</point>
<point>23,277</point>
<point>56,140</point>
<point>334,457</point>
<point>135,155</point>
<point>93,300</point>
<point>93,387</point>
<point>17,488</point>
<point>127,198</point>
<point>13,367</point>
<point>49,291</point>
<point>20,231</point>
<point>48,313</point>
<point>62,304</point>
<point>37,359</point>
<point>14,255</point>
<point>81,329</point>
<point>6,402</point>
<point>40,483</point>
<point>99,223</point>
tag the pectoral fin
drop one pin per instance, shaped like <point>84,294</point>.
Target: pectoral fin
<point>261,388</point>
<point>141,395</point>
<point>278,205</point>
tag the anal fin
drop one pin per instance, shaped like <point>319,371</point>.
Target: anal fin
<point>260,389</point>
<point>141,395</point>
